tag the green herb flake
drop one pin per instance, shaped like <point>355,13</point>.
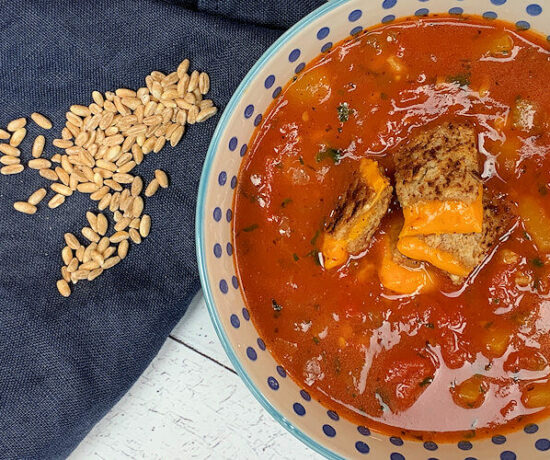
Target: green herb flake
<point>543,190</point>
<point>496,300</point>
<point>461,79</point>
<point>343,112</point>
<point>275,305</point>
<point>278,165</point>
<point>301,160</point>
<point>527,236</point>
<point>316,339</point>
<point>331,153</point>
<point>295,257</point>
<point>537,262</point>
<point>430,325</point>
<point>426,381</point>
<point>286,202</point>
<point>250,228</point>
<point>314,239</point>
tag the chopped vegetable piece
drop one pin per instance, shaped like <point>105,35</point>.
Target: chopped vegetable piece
<point>536,221</point>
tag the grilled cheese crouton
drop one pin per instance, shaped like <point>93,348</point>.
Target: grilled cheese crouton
<point>459,253</point>
<point>357,214</point>
<point>399,273</point>
<point>438,183</point>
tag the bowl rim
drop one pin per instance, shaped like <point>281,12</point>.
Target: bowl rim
<point>199,224</point>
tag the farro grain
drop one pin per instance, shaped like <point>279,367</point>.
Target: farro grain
<point>24,207</point>
<point>37,196</point>
<point>56,201</point>
<point>11,169</point>
<point>17,137</point>
<point>152,188</point>
<point>14,125</point>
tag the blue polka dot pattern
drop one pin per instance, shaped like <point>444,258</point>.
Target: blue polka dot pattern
<point>507,455</point>
<point>387,4</point>
<point>464,445</point>
<point>355,15</point>
<point>490,15</point>
<point>268,83</point>
<point>534,9</point>
<point>363,430</point>
<point>329,430</point>
<point>470,458</point>
<point>228,215</point>
<point>396,456</point>
<point>222,178</point>
<point>235,322</point>
<point>531,428</point>
<point>281,371</point>
<point>333,415</point>
<point>498,439</point>
<point>299,67</point>
<point>355,30</point>
<point>244,147</point>
<point>362,447</point>
<point>543,444</point>
<point>456,10</point>
<point>396,441</point>
<point>248,111</point>
<point>277,92</point>
<point>523,25</point>
<point>273,383</point>
<point>229,249</point>
<point>217,250</point>
<point>304,394</point>
<point>294,55</point>
<point>251,353</point>
<point>422,12</point>
<point>261,344</point>
<point>498,2</point>
<point>233,181</point>
<point>246,315</point>
<point>430,445</point>
<point>223,287</point>
<point>233,143</point>
<point>299,409</point>
<point>322,33</point>
<point>388,18</point>
<point>326,47</point>
<point>235,282</point>
<point>217,214</point>
<point>258,119</point>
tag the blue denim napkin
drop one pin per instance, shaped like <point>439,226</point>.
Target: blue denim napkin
<point>65,362</point>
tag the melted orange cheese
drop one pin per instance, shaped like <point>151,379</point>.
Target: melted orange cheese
<point>400,279</point>
<point>440,217</point>
<point>418,249</point>
<point>335,249</point>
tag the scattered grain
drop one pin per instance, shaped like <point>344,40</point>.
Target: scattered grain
<point>24,207</point>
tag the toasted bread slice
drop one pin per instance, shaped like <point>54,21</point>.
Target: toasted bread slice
<point>459,253</point>
<point>437,182</point>
<point>357,214</point>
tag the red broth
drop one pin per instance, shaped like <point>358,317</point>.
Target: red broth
<point>453,363</point>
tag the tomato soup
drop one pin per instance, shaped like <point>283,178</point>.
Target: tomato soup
<point>455,362</point>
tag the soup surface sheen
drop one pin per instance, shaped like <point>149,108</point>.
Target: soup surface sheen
<point>452,363</point>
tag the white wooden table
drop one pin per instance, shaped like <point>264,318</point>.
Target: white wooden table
<point>190,403</point>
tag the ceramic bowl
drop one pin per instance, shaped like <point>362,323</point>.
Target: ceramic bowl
<point>292,406</point>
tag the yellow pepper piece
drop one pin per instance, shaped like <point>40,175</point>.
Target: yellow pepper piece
<point>439,217</point>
